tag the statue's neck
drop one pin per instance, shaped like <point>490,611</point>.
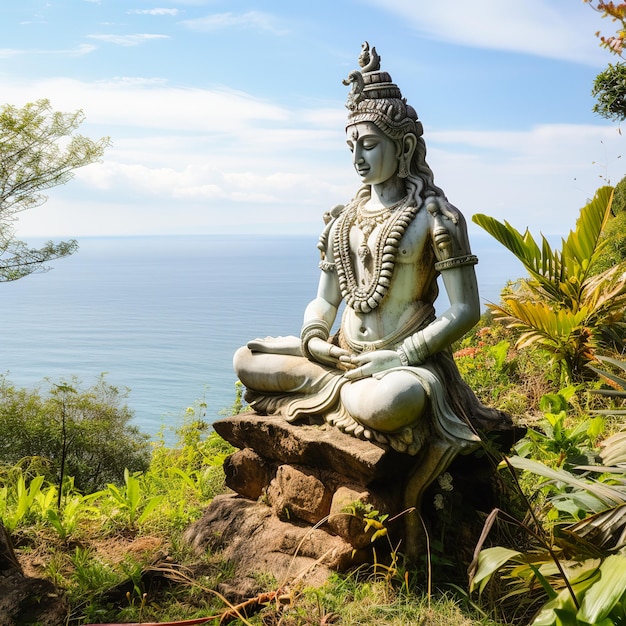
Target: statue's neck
<point>387,193</point>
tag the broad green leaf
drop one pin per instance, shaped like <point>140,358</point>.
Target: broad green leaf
<point>562,608</point>
<point>490,561</point>
<point>606,592</point>
<point>150,506</point>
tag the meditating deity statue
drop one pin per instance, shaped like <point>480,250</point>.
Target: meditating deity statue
<point>387,373</point>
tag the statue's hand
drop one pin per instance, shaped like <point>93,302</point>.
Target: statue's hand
<point>326,353</point>
<point>276,345</point>
<point>370,363</point>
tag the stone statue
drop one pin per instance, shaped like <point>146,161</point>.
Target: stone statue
<point>387,374</point>
<point>383,373</point>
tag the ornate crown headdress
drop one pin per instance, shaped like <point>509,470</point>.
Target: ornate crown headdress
<point>375,98</point>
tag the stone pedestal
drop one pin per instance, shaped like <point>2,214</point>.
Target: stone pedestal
<point>301,494</point>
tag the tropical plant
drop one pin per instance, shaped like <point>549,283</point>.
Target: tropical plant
<point>579,561</point>
<point>18,499</point>
<point>132,500</point>
<point>557,443</point>
<point>562,308</point>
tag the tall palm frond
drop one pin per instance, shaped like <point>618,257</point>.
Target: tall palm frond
<point>553,268</point>
<point>561,307</point>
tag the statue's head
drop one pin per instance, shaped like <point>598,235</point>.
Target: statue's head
<point>375,99</point>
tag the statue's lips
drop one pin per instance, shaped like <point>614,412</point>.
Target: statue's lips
<point>363,170</point>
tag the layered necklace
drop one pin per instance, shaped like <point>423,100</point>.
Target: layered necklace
<point>393,220</point>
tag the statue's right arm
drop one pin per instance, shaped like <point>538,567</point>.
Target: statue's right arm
<point>326,303</point>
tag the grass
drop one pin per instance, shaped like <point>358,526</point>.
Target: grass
<point>119,557</point>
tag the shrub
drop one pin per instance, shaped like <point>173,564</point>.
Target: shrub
<point>86,434</point>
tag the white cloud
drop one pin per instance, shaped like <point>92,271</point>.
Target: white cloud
<point>539,178</point>
<point>557,29</point>
<point>83,49</point>
<point>144,103</point>
<point>255,20</point>
<point>172,12</point>
<point>128,40</point>
<point>8,53</point>
<point>197,160</point>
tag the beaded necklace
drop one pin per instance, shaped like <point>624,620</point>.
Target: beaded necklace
<point>394,221</point>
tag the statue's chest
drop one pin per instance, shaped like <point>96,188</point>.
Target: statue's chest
<point>371,243</point>
<point>370,252</point>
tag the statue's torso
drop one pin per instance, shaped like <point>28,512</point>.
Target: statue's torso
<point>411,286</point>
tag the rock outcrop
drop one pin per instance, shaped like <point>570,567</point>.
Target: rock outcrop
<point>303,495</point>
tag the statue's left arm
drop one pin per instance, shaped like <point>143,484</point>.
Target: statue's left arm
<point>456,263</point>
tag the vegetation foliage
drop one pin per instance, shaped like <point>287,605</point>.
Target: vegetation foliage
<point>39,149</point>
<point>86,434</point>
<point>609,86</point>
<point>563,308</point>
<point>609,90</point>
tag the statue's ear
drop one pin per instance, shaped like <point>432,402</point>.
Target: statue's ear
<point>409,143</point>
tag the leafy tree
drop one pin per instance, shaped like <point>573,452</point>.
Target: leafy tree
<point>39,149</point>
<point>85,434</point>
<point>609,89</point>
<point>562,307</point>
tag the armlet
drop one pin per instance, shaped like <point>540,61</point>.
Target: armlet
<point>466,259</point>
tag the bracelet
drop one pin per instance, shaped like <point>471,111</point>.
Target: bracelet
<point>404,359</point>
<point>314,328</point>
<point>414,349</point>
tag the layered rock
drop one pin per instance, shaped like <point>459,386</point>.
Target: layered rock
<point>302,497</point>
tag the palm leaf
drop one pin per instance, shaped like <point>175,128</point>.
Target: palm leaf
<point>540,263</point>
<point>606,529</point>
<point>583,243</point>
<point>613,449</point>
<point>609,496</point>
<point>552,268</point>
<point>538,321</point>
<point>616,379</point>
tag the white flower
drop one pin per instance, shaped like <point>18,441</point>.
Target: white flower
<point>439,502</point>
<point>445,481</point>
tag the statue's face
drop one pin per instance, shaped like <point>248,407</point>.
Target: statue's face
<point>374,155</point>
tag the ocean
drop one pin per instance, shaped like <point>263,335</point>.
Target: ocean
<point>162,316</point>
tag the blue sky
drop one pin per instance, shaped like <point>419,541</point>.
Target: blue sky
<point>229,115</point>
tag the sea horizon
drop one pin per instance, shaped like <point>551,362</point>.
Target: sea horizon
<point>162,315</point>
